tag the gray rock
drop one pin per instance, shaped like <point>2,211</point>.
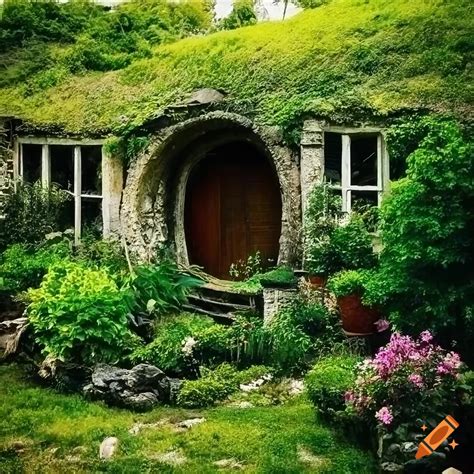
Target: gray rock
<point>190,423</point>
<point>140,388</point>
<point>142,401</point>
<point>108,447</point>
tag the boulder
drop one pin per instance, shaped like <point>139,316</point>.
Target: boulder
<point>10,334</point>
<point>140,388</point>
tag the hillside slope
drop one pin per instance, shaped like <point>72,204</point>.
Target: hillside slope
<point>345,60</point>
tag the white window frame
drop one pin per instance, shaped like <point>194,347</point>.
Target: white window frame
<point>46,170</point>
<point>383,170</point>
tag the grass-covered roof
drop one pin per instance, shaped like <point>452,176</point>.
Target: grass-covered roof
<point>344,60</point>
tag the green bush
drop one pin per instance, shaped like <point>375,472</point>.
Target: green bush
<point>166,349</point>
<point>107,254</point>
<point>349,282</point>
<point>78,314</point>
<point>426,274</point>
<point>218,384</point>
<point>160,288</point>
<point>31,212</point>
<point>23,266</point>
<point>321,219</point>
<point>329,380</point>
<point>213,386</point>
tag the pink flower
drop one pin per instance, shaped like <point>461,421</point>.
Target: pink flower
<point>382,325</point>
<point>384,415</point>
<point>426,336</point>
<point>450,364</point>
<point>416,379</point>
<point>349,396</point>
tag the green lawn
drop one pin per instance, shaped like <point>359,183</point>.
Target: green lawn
<point>45,431</point>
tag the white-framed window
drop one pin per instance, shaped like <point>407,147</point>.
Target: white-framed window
<point>356,166</point>
<point>75,166</point>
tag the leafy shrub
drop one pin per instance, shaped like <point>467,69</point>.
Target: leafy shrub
<point>351,246</point>
<point>350,282</point>
<point>214,385</point>
<point>166,349</point>
<point>217,384</point>
<point>329,380</point>
<point>322,218</point>
<point>78,314</point>
<point>31,212</point>
<point>288,344</point>
<point>160,288</point>
<point>427,227</point>
<point>107,254</point>
<point>22,266</point>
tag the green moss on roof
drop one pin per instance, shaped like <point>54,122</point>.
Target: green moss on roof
<point>344,60</point>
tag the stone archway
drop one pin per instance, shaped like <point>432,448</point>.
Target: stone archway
<point>153,205</point>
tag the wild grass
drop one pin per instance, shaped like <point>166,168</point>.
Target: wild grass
<point>42,431</point>
<point>346,60</point>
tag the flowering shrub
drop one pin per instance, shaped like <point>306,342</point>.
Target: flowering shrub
<point>407,379</point>
<point>407,384</point>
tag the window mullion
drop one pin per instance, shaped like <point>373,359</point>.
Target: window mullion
<point>45,165</point>
<point>346,173</point>
<point>379,168</point>
<point>77,193</point>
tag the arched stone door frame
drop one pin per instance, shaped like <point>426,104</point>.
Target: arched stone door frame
<point>152,212</point>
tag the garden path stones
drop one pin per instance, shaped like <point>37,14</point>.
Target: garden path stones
<point>186,424</point>
<point>228,464</point>
<point>172,458</point>
<point>140,388</point>
<point>108,447</point>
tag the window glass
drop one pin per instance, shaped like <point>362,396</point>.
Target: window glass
<point>364,160</point>
<point>31,158</point>
<point>91,169</point>
<point>332,157</point>
<point>62,166</point>
<point>362,201</point>
<point>91,216</point>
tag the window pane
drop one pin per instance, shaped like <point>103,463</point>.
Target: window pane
<point>91,216</point>
<point>66,218</point>
<point>91,169</point>
<point>62,166</point>
<point>364,160</point>
<point>332,157</point>
<point>31,158</point>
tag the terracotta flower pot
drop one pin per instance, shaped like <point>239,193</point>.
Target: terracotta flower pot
<point>357,319</point>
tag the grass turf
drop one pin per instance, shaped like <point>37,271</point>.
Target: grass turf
<point>62,433</point>
<point>347,60</point>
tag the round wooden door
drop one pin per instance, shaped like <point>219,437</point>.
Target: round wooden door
<point>232,209</point>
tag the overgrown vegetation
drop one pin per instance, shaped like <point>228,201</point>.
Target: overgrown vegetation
<point>51,426</point>
<point>79,314</point>
<point>425,280</point>
<point>339,60</point>
<point>31,212</point>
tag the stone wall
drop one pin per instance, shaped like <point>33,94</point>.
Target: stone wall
<point>6,160</point>
<point>153,198</point>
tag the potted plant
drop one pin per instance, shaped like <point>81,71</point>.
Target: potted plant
<point>348,286</point>
<point>321,219</point>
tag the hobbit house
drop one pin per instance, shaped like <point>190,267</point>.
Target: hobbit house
<point>213,185</point>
